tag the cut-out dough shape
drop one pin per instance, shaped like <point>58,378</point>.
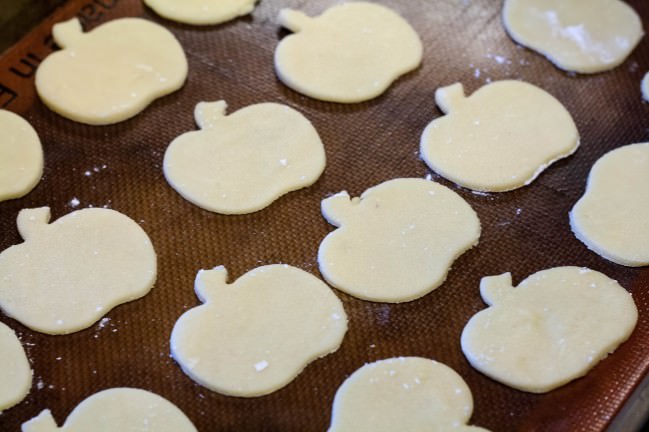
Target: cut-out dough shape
<point>68,274</point>
<point>397,241</point>
<point>254,336</point>
<point>243,162</point>
<point>15,371</point>
<point>612,218</point>
<point>498,139</point>
<point>407,394</point>
<point>21,156</point>
<point>576,35</point>
<point>118,409</point>
<point>111,73</point>
<point>350,53</point>
<point>644,86</point>
<point>201,12</point>
<point>551,329</point>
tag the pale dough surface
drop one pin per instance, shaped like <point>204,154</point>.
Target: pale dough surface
<point>68,274</point>
<point>241,163</point>
<point>552,328</point>
<point>612,218</point>
<point>397,241</point>
<point>498,139</point>
<point>254,336</point>
<point>350,53</point>
<point>112,72</point>
<point>201,12</point>
<point>644,86</point>
<point>15,371</point>
<point>585,36</point>
<point>117,410</point>
<point>407,394</point>
<point>21,156</point>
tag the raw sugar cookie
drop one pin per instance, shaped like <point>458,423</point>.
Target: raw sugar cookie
<point>576,35</point>
<point>21,156</point>
<point>69,273</point>
<point>201,12</point>
<point>254,336</point>
<point>408,394</point>
<point>350,53</point>
<point>397,241</point>
<point>552,328</point>
<point>612,218</point>
<point>243,162</point>
<point>117,409</point>
<point>498,139</point>
<point>15,371</point>
<point>644,86</point>
<point>111,73</point>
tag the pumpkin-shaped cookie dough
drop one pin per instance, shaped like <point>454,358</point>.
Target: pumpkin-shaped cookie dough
<point>407,394</point>
<point>68,274</point>
<point>397,241</point>
<point>15,371</point>
<point>576,35</point>
<point>552,328</point>
<point>254,336</point>
<point>117,409</point>
<point>243,162</point>
<point>350,53</point>
<point>112,72</point>
<point>201,12</point>
<point>21,156</point>
<point>498,139</point>
<point>612,218</point>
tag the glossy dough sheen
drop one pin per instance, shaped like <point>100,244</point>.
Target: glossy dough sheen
<point>397,242</point>
<point>201,12</point>
<point>275,146</point>
<point>21,156</point>
<point>554,327</point>
<point>644,87</point>
<point>498,139</point>
<point>350,53</point>
<point>585,36</point>
<point>612,218</point>
<point>117,410</point>
<point>112,72</point>
<point>15,371</point>
<point>68,274</point>
<point>407,394</point>
<point>254,336</point>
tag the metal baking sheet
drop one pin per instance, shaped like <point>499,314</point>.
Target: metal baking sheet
<point>524,231</point>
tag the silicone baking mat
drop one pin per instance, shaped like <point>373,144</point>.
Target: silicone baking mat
<point>524,231</point>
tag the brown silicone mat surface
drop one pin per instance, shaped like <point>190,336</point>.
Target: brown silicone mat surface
<point>524,231</point>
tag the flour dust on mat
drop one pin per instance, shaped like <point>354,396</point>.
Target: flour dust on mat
<point>117,409</point>
<point>576,35</point>
<point>612,218</point>
<point>397,241</point>
<point>351,53</point>
<point>21,156</point>
<point>111,73</point>
<point>406,394</point>
<point>276,147</point>
<point>69,273</point>
<point>498,139</point>
<point>552,328</point>
<point>254,336</point>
